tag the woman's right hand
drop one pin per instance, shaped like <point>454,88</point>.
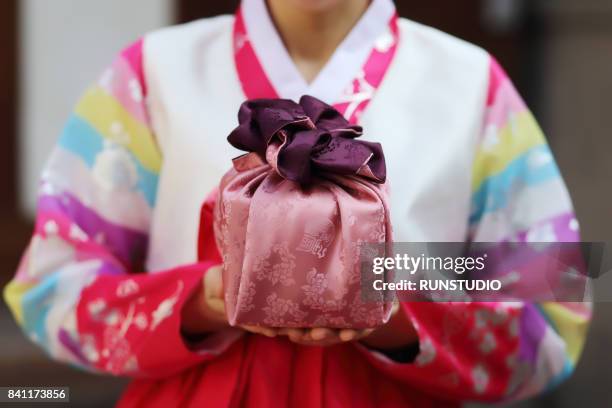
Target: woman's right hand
<point>204,312</point>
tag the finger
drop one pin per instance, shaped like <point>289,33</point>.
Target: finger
<point>321,334</point>
<point>252,329</point>
<point>395,307</point>
<point>295,335</point>
<point>213,282</point>
<point>266,331</point>
<point>283,331</point>
<point>348,334</point>
<point>216,305</point>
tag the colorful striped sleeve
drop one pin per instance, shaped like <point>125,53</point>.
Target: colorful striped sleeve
<point>519,195</point>
<point>77,292</point>
<point>500,351</point>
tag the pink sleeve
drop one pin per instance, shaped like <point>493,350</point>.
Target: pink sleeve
<point>465,350</point>
<point>131,324</point>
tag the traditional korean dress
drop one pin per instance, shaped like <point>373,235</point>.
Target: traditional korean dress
<point>113,256</point>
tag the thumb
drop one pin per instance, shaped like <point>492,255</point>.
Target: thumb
<point>213,289</point>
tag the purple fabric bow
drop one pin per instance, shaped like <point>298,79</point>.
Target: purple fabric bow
<point>316,139</point>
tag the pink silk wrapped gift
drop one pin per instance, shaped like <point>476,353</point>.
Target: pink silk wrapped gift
<point>292,213</point>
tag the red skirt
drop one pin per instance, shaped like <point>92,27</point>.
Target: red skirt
<point>273,372</point>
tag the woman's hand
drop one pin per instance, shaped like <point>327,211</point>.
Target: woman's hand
<point>398,332</point>
<point>204,312</point>
<point>318,336</point>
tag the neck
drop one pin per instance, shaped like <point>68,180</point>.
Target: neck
<point>311,36</point>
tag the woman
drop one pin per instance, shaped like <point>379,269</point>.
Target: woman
<point>123,190</point>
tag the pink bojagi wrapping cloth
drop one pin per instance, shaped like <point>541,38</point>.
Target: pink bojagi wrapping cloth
<point>291,216</point>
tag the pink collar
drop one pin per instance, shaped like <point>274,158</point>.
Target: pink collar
<point>348,81</point>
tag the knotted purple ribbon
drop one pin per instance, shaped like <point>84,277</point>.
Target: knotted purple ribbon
<point>314,139</point>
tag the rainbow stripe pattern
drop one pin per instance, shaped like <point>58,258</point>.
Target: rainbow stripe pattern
<point>518,194</point>
<point>94,209</point>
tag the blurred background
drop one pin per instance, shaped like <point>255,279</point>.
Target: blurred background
<point>559,52</point>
